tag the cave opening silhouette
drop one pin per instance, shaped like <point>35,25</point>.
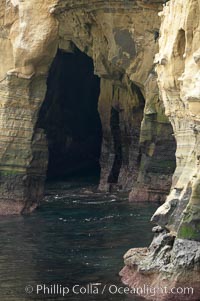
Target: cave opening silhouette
<point>70,118</point>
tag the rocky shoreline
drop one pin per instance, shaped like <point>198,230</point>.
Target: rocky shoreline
<point>147,57</point>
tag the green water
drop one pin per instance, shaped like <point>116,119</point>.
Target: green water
<point>77,237</point>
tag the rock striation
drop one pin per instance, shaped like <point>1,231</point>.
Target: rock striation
<point>138,149</point>
<point>173,257</point>
<point>140,108</point>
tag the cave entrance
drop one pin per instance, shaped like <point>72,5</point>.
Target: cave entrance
<point>70,118</point>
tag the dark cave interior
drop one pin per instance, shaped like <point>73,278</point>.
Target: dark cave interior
<point>70,118</point>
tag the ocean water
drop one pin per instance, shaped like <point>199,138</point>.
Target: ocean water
<point>74,242</point>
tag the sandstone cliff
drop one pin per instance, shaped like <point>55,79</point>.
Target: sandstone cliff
<point>121,38</point>
<point>173,257</point>
<point>137,119</point>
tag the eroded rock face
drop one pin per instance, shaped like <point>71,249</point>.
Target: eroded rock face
<point>122,44</point>
<point>27,49</point>
<point>138,147</point>
<point>121,38</point>
<point>173,257</point>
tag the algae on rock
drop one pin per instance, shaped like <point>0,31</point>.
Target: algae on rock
<point>120,38</point>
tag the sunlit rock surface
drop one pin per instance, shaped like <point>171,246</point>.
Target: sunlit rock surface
<point>122,38</point>
<point>138,116</point>
<point>173,257</point>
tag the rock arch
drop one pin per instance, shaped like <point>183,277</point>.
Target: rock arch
<point>120,40</point>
